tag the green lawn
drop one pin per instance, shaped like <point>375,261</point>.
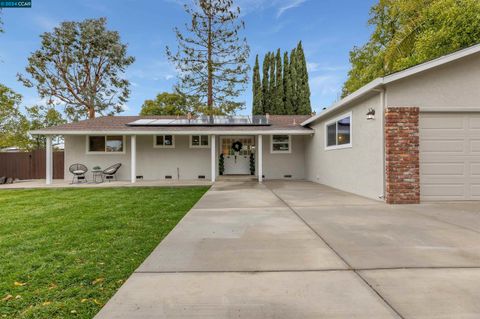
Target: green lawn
<point>64,252</point>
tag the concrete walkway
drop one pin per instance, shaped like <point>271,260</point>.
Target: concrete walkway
<point>303,250</point>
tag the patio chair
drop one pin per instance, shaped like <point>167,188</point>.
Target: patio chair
<point>79,172</point>
<point>111,172</point>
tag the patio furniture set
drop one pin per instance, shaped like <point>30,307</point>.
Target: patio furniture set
<point>79,172</point>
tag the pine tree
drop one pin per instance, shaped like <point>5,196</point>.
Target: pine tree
<point>211,57</point>
<point>303,87</point>
<point>265,91</point>
<point>257,108</point>
<point>279,93</point>
<point>271,85</point>
<point>287,85</point>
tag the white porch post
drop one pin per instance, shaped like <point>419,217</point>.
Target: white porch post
<point>260,158</point>
<point>133,162</point>
<point>49,160</point>
<point>214,158</point>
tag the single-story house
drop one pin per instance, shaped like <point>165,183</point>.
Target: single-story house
<point>408,137</point>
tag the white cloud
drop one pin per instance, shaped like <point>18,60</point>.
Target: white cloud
<point>312,66</point>
<point>248,6</point>
<point>316,67</point>
<point>325,85</point>
<point>289,5</point>
<point>153,70</point>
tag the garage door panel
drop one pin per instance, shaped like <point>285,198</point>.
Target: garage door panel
<point>443,191</point>
<point>475,146</point>
<point>450,156</point>
<point>443,135</point>
<point>438,121</point>
<point>475,123</point>
<point>434,169</point>
<point>455,146</point>
<point>475,169</point>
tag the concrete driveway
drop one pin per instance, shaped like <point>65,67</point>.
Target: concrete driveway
<point>303,250</point>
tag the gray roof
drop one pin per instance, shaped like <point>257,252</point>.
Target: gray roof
<point>119,125</point>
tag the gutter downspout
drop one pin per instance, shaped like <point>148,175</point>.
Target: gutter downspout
<point>382,122</point>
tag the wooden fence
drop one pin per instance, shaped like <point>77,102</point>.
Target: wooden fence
<point>30,165</point>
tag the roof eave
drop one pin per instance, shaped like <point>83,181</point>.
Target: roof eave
<point>375,84</point>
<point>302,131</point>
<point>380,82</point>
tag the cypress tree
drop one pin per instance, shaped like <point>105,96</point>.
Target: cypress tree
<point>265,82</point>
<point>303,87</point>
<point>287,85</point>
<point>294,81</point>
<point>257,108</point>
<point>271,85</point>
<point>279,92</point>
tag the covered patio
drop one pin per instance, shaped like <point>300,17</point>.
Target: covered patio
<point>173,148</point>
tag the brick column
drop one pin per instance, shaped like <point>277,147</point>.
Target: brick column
<point>402,162</point>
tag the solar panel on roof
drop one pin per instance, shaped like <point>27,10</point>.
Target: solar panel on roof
<point>141,122</point>
<point>162,122</point>
<point>206,121</point>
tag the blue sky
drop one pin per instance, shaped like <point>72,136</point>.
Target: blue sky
<point>328,29</point>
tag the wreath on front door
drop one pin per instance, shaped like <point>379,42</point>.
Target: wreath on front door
<point>237,146</point>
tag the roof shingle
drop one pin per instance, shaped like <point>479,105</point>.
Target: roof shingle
<point>119,123</point>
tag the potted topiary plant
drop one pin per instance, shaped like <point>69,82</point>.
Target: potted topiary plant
<point>221,164</point>
<point>252,164</point>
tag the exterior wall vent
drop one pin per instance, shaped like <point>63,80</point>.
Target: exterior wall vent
<point>201,176</point>
<point>287,176</point>
<point>168,176</point>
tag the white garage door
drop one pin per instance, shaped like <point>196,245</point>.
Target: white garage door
<point>450,156</point>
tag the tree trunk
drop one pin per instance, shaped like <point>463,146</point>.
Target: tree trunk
<point>91,112</point>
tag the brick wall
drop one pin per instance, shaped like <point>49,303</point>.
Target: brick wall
<point>402,155</point>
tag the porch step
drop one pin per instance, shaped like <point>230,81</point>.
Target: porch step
<point>236,178</point>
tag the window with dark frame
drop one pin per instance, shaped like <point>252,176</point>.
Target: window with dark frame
<point>339,132</point>
<point>199,141</point>
<point>164,141</point>
<point>280,144</point>
<point>106,144</point>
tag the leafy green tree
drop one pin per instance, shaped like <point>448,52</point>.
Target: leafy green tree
<point>409,32</point>
<point>14,125</point>
<point>40,116</point>
<point>81,65</point>
<point>279,92</point>
<point>211,57</point>
<point>265,84</point>
<point>287,86</point>
<point>166,104</point>
<point>11,119</point>
<point>302,85</point>
<point>257,108</point>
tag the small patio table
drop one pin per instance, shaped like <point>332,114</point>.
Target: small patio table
<point>97,173</point>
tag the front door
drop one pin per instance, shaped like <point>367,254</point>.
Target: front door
<point>237,151</point>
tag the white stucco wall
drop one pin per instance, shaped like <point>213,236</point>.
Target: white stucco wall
<point>276,166</point>
<point>454,85</point>
<point>152,163</point>
<point>156,163</point>
<point>358,169</point>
